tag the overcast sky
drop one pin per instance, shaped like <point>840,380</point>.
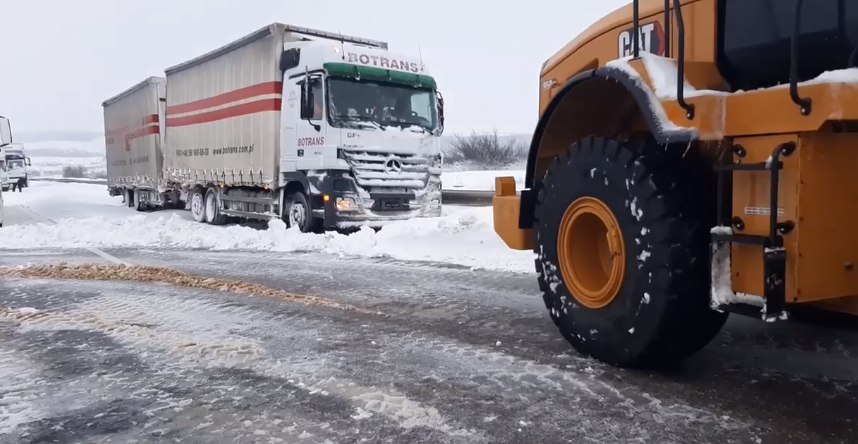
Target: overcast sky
<point>61,58</point>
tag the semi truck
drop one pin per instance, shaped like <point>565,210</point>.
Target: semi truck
<point>693,158</point>
<point>17,164</point>
<point>319,129</point>
<point>5,140</point>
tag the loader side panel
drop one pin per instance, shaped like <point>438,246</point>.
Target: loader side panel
<point>132,127</point>
<point>223,117</point>
<point>815,193</point>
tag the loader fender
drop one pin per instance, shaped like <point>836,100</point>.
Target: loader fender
<point>606,102</point>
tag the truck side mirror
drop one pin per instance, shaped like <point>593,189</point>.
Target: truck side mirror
<point>307,100</point>
<point>290,58</point>
<point>440,98</point>
<point>28,162</point>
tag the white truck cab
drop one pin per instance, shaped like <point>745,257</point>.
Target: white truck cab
<point>361,126</point>
<point>16,164</point>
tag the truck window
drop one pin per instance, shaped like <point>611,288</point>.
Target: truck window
<point>423,106</point>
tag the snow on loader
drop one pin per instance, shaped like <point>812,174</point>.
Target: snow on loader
<point>693,158</point>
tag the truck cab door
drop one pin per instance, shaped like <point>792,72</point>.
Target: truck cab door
<point>304,126</point>
<point>312,128</point>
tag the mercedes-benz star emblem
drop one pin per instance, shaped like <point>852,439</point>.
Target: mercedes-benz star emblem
<point>393,166</point>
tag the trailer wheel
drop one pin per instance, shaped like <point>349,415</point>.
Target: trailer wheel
<point>299,213</point>
<point>138,203</point>
<point>212,210</point>
<point>623,253</point>
<point>198,205</point>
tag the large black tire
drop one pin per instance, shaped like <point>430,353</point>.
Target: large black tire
<point>660,202</point>
<point>298,212</point>
<point>212,210</point>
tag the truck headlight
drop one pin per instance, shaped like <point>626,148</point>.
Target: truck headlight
<point>346,204</point>
<point>438,161</point>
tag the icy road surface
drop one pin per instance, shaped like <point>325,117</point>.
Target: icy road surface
<point>419,353</point>
<point>404,348</point>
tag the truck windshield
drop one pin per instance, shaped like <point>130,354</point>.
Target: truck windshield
<point>15,161</point>
<point>356,103</point>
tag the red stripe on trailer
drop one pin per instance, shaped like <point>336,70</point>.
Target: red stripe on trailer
<point>148,120</point>
<point>244,109</point>
<point>138,133</point>
<point>232,96</point>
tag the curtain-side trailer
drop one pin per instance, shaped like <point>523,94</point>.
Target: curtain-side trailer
<point>133,134</point>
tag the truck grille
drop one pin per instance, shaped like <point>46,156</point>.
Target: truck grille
<point>389,173</point>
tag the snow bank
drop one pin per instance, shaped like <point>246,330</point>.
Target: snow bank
<point>72,215</point>
<point>464,236</point>
<point>53,200</point>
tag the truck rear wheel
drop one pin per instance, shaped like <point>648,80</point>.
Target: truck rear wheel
<point>198,205</point>
<point>212,210</point>
<point>622,253</point>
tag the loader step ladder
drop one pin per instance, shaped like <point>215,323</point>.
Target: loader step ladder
<point>774,254</point>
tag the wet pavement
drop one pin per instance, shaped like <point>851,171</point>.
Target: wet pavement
<point>421,353</point>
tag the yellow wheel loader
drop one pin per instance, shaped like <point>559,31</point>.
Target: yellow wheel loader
<point>693,158</point>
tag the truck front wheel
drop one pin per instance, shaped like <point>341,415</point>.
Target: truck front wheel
<point>622,253</point>
<point>198,205</point>
<point>299,213</point>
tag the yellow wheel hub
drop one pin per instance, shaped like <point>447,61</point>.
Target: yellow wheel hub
<point>591,252</point>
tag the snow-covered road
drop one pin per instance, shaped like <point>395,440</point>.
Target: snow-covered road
<point>392,352</point>
<point>70,215</point>
<point>374,337</point>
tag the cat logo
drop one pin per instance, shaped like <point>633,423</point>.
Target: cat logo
<point>651,40</point>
